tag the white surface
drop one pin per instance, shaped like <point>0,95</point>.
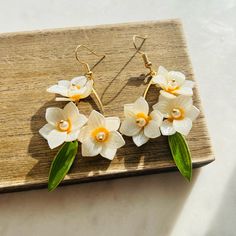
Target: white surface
<point>151,205</point>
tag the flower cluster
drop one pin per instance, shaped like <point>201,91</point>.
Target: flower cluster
<point>174,112</point>
<point>97,134</point>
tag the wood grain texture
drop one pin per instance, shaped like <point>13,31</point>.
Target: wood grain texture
<point>32,61</point>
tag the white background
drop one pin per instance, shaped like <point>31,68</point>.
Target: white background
<point>163,204</point>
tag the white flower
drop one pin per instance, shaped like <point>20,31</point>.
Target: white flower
<point>179,113</point>
<point>100,136</point>
<point>173,83</point>
<point>74,90</point>
<point>63,125</point>
<point>139,124</point>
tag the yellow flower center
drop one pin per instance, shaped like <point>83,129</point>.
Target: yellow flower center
<point>100,134</point>
<point>75,97</point>
<point>64,126</point>
<point>171,86</point>
<point>142,119</point>
<point>177,114</point>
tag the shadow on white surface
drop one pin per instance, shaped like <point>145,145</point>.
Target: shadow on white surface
<point>124,205</point>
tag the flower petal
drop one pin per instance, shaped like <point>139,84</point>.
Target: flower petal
<point>129,110</point>
<point>64,83</point>
<point>54,115</point>
<point>193,113</point>
<point>163,93</point>
<point>129,127</point>
<point>90,147</point>
<point>87,89</point>
<point>80,122</point>
<point>167,128</point>
<point>56,138</point>
<point>141,105</point>
<point>80,80</point>
<point>140,139</point>
<point>160,80</point>
<point>72,112</point>
<point>162,70</point>
<point>62,99</point>
<point>182,101</point>
<point>75,92</point>
<point>96,120</point>
<point>115,140</point>
<point>183,126</point>
<point>58,90</point>
<point>112,123</point>
<point>157,117</point>
<point>108,153</point>
<point>152,129</point>
<point>177,76</point>
<point>184,91</point>
<point>84,133</point>
<point>45,130</point>
<point>188,83</point>
<point>163,106</point>
<point>73,135</point>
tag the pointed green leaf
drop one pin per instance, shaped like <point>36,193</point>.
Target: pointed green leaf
<point>181,154</point>
<point>61,164</point>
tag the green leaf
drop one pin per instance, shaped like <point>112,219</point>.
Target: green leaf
<point>61,164</point>
<point>181,154</point>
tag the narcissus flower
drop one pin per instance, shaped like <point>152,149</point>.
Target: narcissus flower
<point>100,136</point>
<point>63,125</point>
<point>139,124</point>
<point>179,113</point>
<point>173,83</point>
<point>74,90</point>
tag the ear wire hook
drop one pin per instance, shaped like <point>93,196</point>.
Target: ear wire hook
<point>147,62</point>
<point>89,72</point>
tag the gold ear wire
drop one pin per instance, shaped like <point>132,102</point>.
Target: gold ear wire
<point>89,72</point>
<point>147,62</point>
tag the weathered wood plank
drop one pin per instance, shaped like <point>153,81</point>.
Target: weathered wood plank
<point>32,61</point>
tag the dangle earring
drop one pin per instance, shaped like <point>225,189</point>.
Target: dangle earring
<point>81,86</point>
<point>173,114</point>
<point>97,134</point>
<point>139,123</point>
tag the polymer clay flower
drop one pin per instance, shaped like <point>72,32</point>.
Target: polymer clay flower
<point>63,125</point>
<point>179,113</point>
<point>100,136</point>
<point>139,124</point>
<point>78,88</point>
<point>173,83</point>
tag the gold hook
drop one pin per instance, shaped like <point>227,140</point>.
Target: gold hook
<point>147,63</point>
<point>86,65</point>
<point>89,72</point>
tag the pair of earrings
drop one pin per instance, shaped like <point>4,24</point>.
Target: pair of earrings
<point>172,115</point>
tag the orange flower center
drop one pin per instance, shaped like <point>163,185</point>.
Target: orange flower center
<point>142,119</point>
<point>171,86</point>
<point>177,114</point>
<point>75,97</point>
<point>64,125</point>
<point>100,134</point>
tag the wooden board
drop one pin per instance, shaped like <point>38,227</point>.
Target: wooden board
<point>32,61</point>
